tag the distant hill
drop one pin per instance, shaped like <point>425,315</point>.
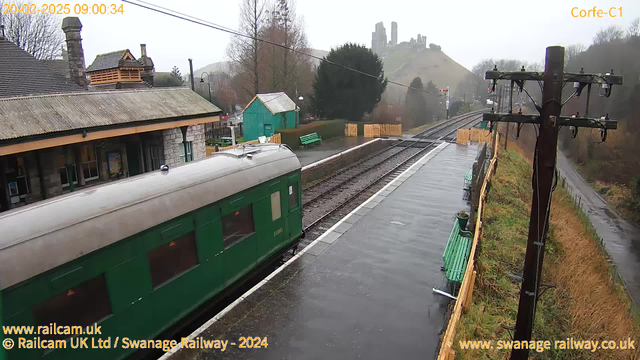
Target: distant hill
<point>404,62</point>
<point>223,66</point>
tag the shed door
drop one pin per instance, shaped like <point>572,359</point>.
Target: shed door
<point>268,129</point>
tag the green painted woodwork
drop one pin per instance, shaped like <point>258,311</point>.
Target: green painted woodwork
<point>456,253</point>
<point>257,121</point>
<point>310,139</point>
<point>140,311</point>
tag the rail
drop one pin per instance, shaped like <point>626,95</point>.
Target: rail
<point>386,174</point>
<point>466,288</point>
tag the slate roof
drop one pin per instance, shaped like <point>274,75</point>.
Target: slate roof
<point>21,74</point>
<point>36,115</point>
<point>277,102</point>
<point>112,60</point>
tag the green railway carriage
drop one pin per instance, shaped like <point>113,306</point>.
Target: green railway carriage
<point>138,255</point>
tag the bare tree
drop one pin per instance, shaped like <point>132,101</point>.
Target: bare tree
<point>40,35</point>
<point>288,68</point>
<point>634,28</point>
<point>610,34</point>
<point>244,53</point>
<point>571,53</point>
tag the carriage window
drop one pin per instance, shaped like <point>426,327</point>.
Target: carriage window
<point>276,208</point>
<point>172,258</point>
<point>237,225</point>
<point>293,195</point>
<point>82,305</point>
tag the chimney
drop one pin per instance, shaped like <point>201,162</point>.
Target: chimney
<point>72,27</point>
<point>147,63</point>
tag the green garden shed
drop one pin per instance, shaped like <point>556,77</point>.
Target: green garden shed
<point>268,113</point>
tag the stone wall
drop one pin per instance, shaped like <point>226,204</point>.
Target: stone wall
<point>311,174</point>
<point>173,147</point>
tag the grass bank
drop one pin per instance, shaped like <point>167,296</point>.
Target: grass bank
<point>586,305</point>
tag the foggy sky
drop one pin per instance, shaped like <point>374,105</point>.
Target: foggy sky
<point>468,31</point>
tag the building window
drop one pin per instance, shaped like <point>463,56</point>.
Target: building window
<point>62,168</point>
<point>237,226</point>
<point>157,157</point>
<point>89,162</point>
<point>172,259</point>
<point>189,153</point>
<point>293,195</point>
<point>82,305</point>
<point>276,208</point>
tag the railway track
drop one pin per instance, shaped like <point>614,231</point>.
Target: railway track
<point>326,202</point>
<point>381,167</point>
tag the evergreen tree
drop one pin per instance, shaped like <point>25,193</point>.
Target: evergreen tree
<point>341,93</point>
<point>416,104</point>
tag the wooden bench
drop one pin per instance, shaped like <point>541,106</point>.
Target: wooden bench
<point>310,139</point>
<point>456,253</point>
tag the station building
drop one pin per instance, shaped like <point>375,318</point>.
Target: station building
<point>59,132</point>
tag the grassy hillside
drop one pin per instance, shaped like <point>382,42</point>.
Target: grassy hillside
<point>403,64</point>
<point>586,305</point>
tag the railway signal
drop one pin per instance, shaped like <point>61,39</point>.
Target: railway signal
<point>544,163</point>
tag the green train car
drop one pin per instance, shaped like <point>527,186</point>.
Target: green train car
<point>138,255</point>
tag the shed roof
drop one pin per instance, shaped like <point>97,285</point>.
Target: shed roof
<point>112,60</point>
<point>277,102</point>
<point>37,115</point>
<point>21,74</point>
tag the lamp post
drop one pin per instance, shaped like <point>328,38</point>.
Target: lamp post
<point>208,82</point>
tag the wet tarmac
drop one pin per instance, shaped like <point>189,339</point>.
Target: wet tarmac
<point>364,288</point>
<point>621,237</point>
<point>313,153</point>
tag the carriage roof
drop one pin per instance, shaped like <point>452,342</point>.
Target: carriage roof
<point>42,236</point>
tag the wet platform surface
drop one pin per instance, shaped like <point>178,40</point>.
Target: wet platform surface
<point>621,237</point>
<point>363,289</point>
<point>313,153</point>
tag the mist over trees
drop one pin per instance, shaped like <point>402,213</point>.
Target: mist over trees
<point>40,35</point>
<point>342,94</point>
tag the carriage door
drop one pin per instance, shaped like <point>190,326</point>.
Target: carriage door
<point>294,207</point>
<point>277,215</point>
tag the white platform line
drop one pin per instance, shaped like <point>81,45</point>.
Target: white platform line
<point>319,162</point>
<point>219,315</point>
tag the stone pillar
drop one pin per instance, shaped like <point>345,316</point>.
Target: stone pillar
<point>72,27</point>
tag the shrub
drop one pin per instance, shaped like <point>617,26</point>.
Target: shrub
<point>326,129</point>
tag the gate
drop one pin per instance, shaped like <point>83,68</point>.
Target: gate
<point>351,130</point>
<point>372,130</point>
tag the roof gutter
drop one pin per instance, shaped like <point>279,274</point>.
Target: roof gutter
<point>43,141</point>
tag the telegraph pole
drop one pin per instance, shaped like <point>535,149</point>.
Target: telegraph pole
<point>544,166</point>
<point>544,163</point>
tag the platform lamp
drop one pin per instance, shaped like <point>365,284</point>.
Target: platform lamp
<point>208,82</point>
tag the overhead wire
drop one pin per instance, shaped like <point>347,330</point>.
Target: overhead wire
<point>195,20</point>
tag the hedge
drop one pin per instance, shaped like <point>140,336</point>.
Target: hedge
<point>326,129</point>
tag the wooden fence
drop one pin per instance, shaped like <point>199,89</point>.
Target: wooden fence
<point>351,130</point>
<point>372,130</point>
<point>466,289</point>
<point>479,135</point>
<point>474,135</point>
<point>463,137</point>
<point>390,129</point>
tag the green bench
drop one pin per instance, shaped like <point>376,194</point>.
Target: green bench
<point>310,139</point>
<point>456,253</point>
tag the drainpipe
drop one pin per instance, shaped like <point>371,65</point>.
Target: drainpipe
<point>184,142</point>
